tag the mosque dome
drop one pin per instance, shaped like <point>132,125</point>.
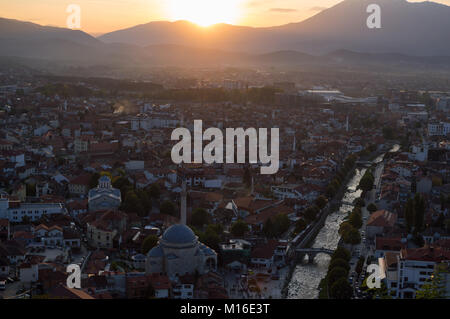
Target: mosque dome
<point>156,252</point>
<point>179,235</point>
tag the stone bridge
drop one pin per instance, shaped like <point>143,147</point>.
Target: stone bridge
<point>313,252</point>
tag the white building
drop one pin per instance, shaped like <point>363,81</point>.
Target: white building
<point>419,153</point>
<point>438,129</point>
<point>306,192</point>
<point>406,271</point>
<point>443,104</point>
<point>28,272</point>
<point>15,211</point>
<point>183,292</point>
<point>134,165</point>
<point>147,122</point>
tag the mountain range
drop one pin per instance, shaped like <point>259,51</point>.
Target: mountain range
<point>411,33</point>
<point>421,29</point>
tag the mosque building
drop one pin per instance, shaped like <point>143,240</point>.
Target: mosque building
<point>179,251</point>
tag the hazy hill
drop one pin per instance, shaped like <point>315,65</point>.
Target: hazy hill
<point>15,29</point>
<point>407,28</point>
<point>30,40</point>
<point>411,34</point>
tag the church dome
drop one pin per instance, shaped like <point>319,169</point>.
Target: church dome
<point>179,235</point>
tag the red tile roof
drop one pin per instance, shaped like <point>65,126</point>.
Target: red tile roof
<point>382,218</point>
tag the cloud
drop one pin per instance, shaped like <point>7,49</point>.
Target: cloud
<point>283,10</point>
<point>317,8</point>
<point>258,3</point>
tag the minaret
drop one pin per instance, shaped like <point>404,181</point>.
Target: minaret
<point>294,146</point>
<point>183,202</point>
<point>346,125</point>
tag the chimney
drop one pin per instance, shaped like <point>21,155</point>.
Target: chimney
<point>183,202</point>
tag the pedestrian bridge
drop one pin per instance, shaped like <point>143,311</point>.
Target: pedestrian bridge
<point>313,252</point>
<point>364,163</point>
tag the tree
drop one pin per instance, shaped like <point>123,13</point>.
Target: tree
<point>345,228</point>
<point>210,238</point>
<point>281,223</point>
<point>321,201</point>
<point>122,183</point>
<point>247,177</point>
<point>419,212</point>
<point>93,181</point>
<point>239,228</point>
<point>341,289</point>
<point>388,133</point>
<point>409,214</point>
<point>366,182</point>
<point>359,202</point>
<point>330,191</point>
<point>26,220</point>
<point>148,243</point>
<point>200,217</point>
<point>31,190</point>
<point>356,219</point>
<point>217,228</point>
<point>415,213</point>
<point>132,204</point>
<point>434,288</point>
<point>145,202</point>
<point>339,263</point>
<point>418,240</point>
<point>335,274</point>
<point>300,226</point>
<point>352,237</point>
<point>269,228</point>
<point>168,208</point>
<point>154,191</point>
<point>372,208</point>
<point>311,213</point>
<point>342,253</point>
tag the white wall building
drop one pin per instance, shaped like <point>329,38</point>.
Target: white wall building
<point>183,292</point>
<point>15,211</point>
<point>406,271</point>
<point>438,129</point>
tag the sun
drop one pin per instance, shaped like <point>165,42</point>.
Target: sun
<point>205,12</point>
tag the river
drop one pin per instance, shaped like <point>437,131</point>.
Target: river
<point>306,277</point>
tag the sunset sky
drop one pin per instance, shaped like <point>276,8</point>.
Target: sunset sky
<point>101,16</point>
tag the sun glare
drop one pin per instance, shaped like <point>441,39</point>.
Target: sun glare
<point>205,12</point>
